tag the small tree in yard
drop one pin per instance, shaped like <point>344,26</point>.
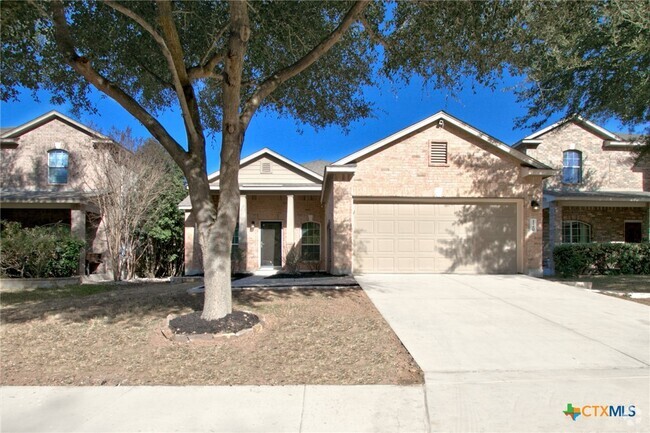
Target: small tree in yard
<point>219,63</point>
<point>129,182</point>
<point>161,237</point>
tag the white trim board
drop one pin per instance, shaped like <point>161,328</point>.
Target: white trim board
<point>266,151</point>
<point>33,124</point>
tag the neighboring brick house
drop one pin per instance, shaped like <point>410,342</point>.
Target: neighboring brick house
<point>601,193</point>
<point>47,177</point>
<point>438,196</point>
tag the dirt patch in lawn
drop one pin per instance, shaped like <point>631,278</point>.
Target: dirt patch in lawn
<point>308,337</point>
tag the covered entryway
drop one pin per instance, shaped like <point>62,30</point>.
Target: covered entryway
<point>476,237</point>
<point>271,244</point>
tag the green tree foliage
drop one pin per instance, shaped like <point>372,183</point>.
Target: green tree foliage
<point>161,238</point>
<point>40,252</point>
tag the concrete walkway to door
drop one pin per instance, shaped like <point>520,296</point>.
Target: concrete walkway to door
<point>507,353</point>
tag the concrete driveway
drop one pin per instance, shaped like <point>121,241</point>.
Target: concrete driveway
<point>509,352</point>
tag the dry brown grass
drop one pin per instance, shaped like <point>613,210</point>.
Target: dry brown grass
<point>308,337</point>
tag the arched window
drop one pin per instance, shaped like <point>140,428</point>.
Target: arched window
<point>576,232</point>
<point>572,167</point>
<point>57,166</point>
<point>310,248</point>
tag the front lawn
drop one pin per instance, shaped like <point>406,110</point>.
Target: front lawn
<point>71,291</point>
<point>623,286</point>
<point>114,338</point>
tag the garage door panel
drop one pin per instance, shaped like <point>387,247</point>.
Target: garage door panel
<point>425,228</point>
<point>470,238</point>
<point>385,245</point>
<point>405,227</point>
<point>405,264</point>
<point>385,227</point>
<point>387,263</point>
<point>365,226</point>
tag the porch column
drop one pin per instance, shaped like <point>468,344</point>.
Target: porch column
<point>554,230</point>
<point>78,230</point>
<point>193,255</point>
<point>243,230</point>
<point>291,225</point>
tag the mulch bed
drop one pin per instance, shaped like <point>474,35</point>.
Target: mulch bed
<point>231,324</point>
<point>299,275</point>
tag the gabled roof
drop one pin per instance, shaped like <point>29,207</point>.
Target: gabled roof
<point>435,119</point>
<point>578,119</point>
<point>266,151</point>
<point>10,133</point>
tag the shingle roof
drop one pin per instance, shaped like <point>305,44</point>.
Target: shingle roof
<point>317,166</point>
<point>45,196</point>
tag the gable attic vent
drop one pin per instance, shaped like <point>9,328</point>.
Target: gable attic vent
<point>265,168</point>
<point>438,154</point>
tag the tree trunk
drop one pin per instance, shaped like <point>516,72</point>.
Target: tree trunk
<point>215,235</point>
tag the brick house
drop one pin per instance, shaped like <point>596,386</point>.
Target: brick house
<point>47,171</point>
<point>601,193</point>
<point>438,196</point>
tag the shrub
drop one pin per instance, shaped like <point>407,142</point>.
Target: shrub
<point>236,260</point>
<point>293,261</point>
<point>602,259</point>
<point>39,252</point>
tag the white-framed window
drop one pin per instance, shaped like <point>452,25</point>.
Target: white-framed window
<point>576,232</point>
<point>57,166</point>
<point>310,245</point>
<point>572,167</point>
<point>438,153</point>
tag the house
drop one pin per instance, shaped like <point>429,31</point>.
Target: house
<point>601,192</point>
<point>47,172</point>
<point>437,196</point>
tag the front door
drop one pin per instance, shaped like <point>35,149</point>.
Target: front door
<point>271,246</point>
<point>633,232</point>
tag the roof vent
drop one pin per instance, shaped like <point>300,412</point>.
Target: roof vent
<point>438,154</point>
<point>265,168</point>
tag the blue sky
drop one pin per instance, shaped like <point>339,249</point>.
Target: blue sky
<point>492,111</point>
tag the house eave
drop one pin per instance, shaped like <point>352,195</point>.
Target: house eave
<point>436,119</point>
<point>543,172</point>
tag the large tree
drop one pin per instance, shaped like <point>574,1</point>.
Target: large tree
<point>218,63</point>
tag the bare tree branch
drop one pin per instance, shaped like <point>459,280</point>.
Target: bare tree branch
<point>279,77</point>
<point>82,66</point>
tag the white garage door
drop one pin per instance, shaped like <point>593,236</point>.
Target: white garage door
<point>420,238</point>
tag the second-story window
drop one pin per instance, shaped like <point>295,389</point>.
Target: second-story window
<point>57,166</point>
<point>572,167</point>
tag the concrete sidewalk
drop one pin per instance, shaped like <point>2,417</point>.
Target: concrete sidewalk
<point>265,409</point>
